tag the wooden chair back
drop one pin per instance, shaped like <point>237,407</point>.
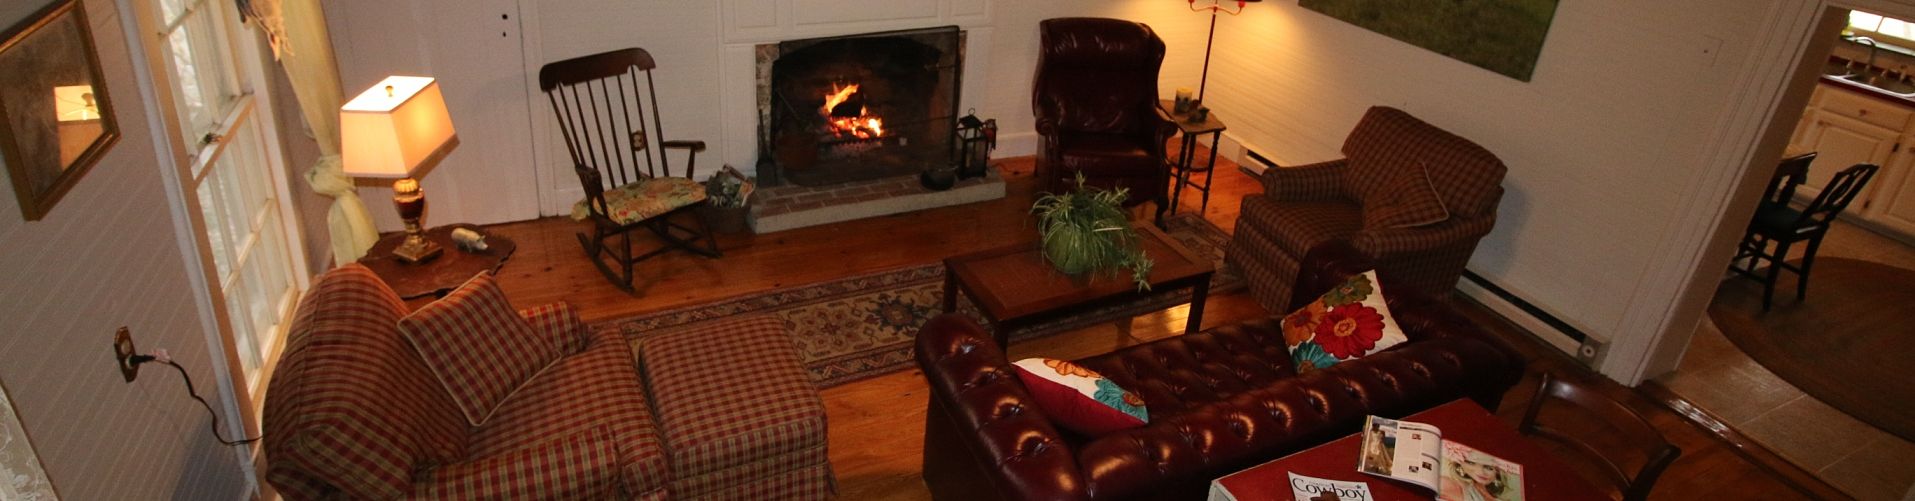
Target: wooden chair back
<point>607,107</point>
<point>1836,196</point>
<point>1633,427</point>
<point>1788,175</point>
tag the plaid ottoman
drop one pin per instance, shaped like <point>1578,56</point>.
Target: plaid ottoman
<point>739,415</point>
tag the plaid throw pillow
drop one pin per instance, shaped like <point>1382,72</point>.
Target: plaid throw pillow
<point>478,346</point>
<point>1407,200</point>
<point>1348,322</point>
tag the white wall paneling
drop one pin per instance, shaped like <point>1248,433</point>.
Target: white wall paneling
<point>108,256</point>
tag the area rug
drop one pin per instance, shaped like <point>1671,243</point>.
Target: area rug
<point>1848,344</point>
<point>863,326</point>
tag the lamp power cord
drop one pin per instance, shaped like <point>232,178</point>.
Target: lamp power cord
<point>161,357</point>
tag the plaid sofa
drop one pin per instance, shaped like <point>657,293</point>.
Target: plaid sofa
<point>352,412</point>
<point>1307,206</point>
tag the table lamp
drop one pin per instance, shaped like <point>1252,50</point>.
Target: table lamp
<point>1215,7</point>
<point>395,129</point>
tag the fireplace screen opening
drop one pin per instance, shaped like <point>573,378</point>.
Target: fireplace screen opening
<point>861,107</point>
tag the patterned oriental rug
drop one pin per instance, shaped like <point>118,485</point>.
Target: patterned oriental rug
<point>864,326</point>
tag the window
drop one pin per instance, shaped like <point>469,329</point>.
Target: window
<point>230,178</point>
<point>1896,31</point>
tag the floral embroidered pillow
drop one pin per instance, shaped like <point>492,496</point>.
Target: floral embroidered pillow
<point>1348,322</point>
<point>1080,399</point>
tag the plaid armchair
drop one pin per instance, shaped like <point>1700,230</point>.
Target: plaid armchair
<point>354,412</point>
<point>1413,198</point>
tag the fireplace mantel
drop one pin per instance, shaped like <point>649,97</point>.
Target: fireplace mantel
<point>757,21</point>
<point>748,23</point>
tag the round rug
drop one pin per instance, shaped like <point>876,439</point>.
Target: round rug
<point>1849,343</point>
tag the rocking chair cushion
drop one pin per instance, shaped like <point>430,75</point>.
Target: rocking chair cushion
<point>644,199</point>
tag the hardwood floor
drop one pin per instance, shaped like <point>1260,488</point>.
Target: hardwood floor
<point>876,425</point>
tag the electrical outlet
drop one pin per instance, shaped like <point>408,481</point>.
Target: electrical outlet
<point>123,353</point>
<point>1591,352</point>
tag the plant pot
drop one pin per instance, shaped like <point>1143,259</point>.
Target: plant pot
<point>726,220</point>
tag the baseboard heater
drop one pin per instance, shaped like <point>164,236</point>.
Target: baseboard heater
<point>1261,159</point>
<point>1527,307</point>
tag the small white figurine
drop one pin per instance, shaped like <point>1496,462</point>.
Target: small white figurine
<point>468,240</point>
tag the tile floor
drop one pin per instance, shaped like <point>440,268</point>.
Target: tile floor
<point>1855,457</point>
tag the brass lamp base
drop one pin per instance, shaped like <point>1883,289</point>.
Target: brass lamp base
<point>411,202</point>
<point>416,248</point>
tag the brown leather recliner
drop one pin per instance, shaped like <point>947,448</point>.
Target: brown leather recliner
<point>1095,99</point>
<point>1410,196</point>
<point>1220,401</point>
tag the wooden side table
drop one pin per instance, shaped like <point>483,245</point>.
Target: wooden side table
<point>1184,168</point>
<point>1014,286</point>
<point>439,275</point>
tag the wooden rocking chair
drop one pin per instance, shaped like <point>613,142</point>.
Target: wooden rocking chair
<point>603,116</point>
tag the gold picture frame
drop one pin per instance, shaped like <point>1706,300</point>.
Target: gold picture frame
<point>56,120</point>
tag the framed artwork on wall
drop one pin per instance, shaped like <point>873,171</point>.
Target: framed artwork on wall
<point>1504,36</point>
<point>55,118</point>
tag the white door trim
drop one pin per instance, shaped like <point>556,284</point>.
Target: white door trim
<point>1674,293</point>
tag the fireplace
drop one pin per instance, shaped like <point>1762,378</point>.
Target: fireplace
<point>860,107</point>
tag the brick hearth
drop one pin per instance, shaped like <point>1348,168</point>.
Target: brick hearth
<point>782,208</point>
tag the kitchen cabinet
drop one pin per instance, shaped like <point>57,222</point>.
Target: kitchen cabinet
<point>1841,141</point>
<point>1845,127</point>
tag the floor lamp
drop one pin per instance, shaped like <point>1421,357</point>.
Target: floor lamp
<point>1215,7</point>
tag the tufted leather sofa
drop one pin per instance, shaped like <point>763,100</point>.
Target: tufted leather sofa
<point>1220,401</point>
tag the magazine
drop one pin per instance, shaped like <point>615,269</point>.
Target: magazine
<point>1304,488</point>
<point>1416,453</point>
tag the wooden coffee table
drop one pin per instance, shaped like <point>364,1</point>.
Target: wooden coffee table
<point>1544,476</point>
<point>1014,286</point>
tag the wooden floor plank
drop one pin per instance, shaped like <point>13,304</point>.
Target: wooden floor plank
<point>876,425</point>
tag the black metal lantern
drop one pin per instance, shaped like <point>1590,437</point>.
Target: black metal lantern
<point>975,140</point>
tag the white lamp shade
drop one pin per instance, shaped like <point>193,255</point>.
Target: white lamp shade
<point>395,128</point>
<point>74,103</point>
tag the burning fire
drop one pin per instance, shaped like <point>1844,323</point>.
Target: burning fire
<point>862,126</point>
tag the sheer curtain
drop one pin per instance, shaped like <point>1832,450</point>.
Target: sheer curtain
<point>297,29</point>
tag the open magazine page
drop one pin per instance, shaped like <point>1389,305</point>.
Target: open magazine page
<point>1402,450</point>
<point>1473,475</point>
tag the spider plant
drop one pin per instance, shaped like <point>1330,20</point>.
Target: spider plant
<point>1085,231</point>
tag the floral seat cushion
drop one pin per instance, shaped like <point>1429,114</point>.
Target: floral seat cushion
<point>644,199</point>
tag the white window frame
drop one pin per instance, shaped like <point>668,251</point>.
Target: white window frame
<point>242,393</point>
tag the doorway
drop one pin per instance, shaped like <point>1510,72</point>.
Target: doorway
<point>1816,379</point>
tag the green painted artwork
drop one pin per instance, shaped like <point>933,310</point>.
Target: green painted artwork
<point>1504,36</point>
